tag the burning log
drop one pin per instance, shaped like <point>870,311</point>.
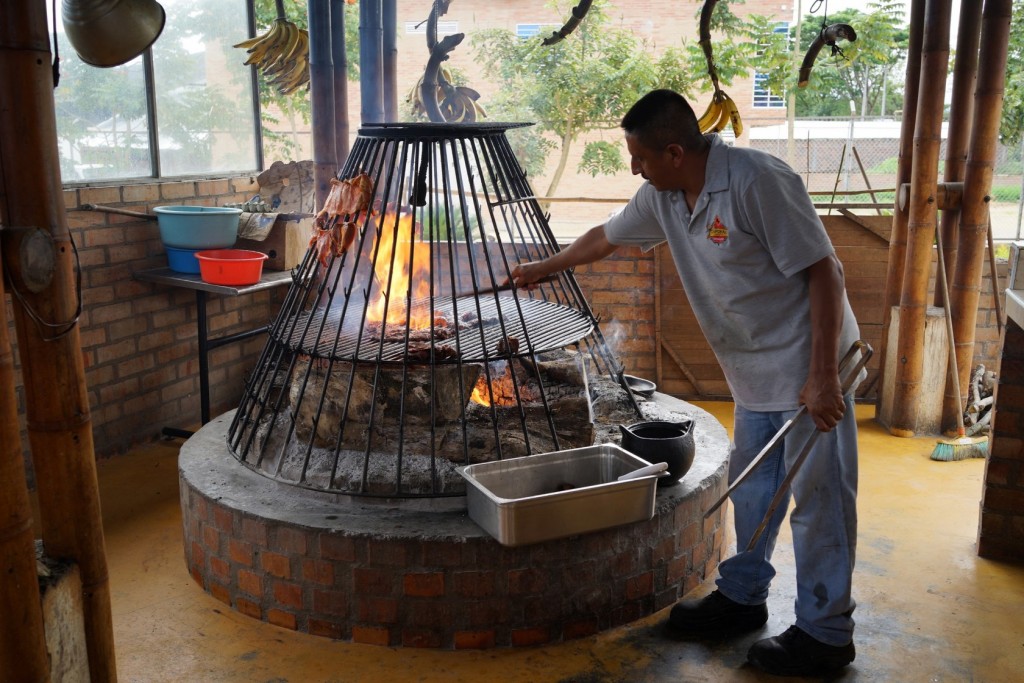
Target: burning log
<point>356,398</point>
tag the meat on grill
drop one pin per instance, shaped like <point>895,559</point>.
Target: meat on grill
<point>336,224</point>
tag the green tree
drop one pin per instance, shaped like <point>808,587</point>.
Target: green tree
<point>588,81</point>
<point>1011,128</point>
<point>577,85</point>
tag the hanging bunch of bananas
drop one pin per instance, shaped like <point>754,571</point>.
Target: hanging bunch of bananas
<point>457,103</point>
<point>721,111</point>
<point>282,54</point>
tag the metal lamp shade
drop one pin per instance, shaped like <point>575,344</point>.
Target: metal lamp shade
<point>107,33</point>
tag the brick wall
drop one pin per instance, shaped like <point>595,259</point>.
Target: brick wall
<point>139,340</point>
<point>621,292</point>
<point>1001,529</point>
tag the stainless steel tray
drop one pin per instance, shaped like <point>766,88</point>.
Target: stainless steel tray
<point>553,495</point>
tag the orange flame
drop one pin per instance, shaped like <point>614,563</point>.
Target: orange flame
<point>397,245</point>
<point>500,391</point>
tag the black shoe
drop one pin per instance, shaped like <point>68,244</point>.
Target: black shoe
<point>795,653</point>
<point>716,616</point>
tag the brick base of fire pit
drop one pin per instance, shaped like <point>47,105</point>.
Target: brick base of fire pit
<point>421,573</point>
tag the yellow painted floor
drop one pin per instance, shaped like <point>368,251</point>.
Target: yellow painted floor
<point>928,608</point>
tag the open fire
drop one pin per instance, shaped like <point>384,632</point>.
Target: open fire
<point>398,355</point>
<point>401,267</point>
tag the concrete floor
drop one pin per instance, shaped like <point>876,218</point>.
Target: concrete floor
<point>928,608</point>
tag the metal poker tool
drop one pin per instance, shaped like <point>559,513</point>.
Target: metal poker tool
<point>780,494</point>
<point>786,428</point>
<point>504,287</point>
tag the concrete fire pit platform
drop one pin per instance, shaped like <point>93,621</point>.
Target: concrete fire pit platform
<point>421,573</point>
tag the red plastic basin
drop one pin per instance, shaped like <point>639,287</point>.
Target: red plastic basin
<point>230,266</point>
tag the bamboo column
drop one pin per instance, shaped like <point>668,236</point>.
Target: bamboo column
<point>389,59</point>
<point>22,636</point>
<point>965,74</point>
<point>371,58</point>
<point>321,95</point>
<point>898,236</point>
<point>339,73</point>
<point>921,220</point>
<point>39,259</point>
<point>973,238</point>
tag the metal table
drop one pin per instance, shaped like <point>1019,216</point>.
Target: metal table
<point>166,276</point>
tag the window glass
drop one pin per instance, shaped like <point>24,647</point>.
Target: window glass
<point>203,93</point>
<point>102,124</point>
<point>203,89</point>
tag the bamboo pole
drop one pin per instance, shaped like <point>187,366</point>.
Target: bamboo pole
<point>965,74</point>
<point>321,95</point>
<point>22,636</point>
<point>371,76</point>
<point>973,238</point>
<point>921,220</point>
<point>898,235</point>
<point>339,65</point>
<point>389,59</point>
<point>39,260</point>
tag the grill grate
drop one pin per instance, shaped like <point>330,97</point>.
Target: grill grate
<point>400,318</point>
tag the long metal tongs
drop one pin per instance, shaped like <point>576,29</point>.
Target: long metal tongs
<point>848,377</point>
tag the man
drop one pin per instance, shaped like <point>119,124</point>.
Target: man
<point>768,291</point>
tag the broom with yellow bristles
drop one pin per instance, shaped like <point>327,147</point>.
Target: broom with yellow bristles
<point>963,446</point>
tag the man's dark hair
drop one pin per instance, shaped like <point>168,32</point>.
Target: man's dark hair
<point>661,118</point>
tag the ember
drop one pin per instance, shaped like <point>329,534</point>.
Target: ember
<point>504,389</point>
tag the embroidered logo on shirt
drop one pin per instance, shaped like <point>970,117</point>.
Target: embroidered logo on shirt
<point>717,232</point>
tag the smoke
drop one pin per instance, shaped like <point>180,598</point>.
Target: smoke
<point>615,333</point>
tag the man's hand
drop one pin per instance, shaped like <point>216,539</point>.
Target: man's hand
<point>823,397</point>
<point>529,273</point>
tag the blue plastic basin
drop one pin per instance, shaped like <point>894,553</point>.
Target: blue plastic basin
<point>198,227</point>
<point>182,260</point>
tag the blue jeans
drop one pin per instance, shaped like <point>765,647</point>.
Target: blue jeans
<point>823,520</point>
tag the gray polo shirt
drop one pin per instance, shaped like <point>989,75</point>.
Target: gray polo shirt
<point>741,256</point>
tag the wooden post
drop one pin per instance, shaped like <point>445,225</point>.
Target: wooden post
<point>973,237</point>
<point>965,73</point>
<point>921,220</point>
<point>40,263</point>
<point>898,236</point>
<point>22,636</point>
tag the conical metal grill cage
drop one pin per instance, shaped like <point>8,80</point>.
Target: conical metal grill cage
<point>401,352</point>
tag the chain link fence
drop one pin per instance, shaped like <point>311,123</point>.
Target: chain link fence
<point>855,160</point>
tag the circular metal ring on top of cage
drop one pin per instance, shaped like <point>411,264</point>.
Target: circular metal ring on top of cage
<point>401,351</point>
